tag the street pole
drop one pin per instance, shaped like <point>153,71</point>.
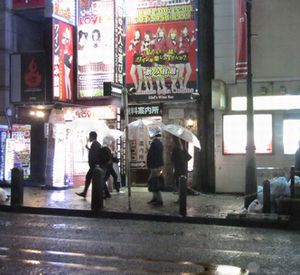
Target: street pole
<point>127,148</point>
<point>251,184</point>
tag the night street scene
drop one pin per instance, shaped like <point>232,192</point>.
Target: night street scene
<point>149,136</point>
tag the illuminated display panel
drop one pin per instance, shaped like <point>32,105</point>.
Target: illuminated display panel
<point>95,40</point>
<point>276,102</point>
<point>235,134</point>
<point>64,10</point>
<point>62,61</point>
<point>291,135</point>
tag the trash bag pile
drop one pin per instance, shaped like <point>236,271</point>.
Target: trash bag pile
<point>279,187</point>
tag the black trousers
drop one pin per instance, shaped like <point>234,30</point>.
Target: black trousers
<point>88,179</point>
<point>111,171</point>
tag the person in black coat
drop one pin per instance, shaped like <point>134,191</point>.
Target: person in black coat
<point>155,163</point>
<point>94,158</point>
<point>179,158</point>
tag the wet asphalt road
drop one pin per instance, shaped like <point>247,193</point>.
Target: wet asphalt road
<point>36,244</point>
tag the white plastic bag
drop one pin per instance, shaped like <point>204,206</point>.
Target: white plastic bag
<point>3,195</point>
<point>255,207</point>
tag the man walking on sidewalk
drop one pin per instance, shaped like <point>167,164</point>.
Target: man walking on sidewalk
<point>94,158</point>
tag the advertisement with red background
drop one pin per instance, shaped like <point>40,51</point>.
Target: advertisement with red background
<point>164,72</point>
<point>33,76</point>
<point>62,62</point>
<point>28,4</point>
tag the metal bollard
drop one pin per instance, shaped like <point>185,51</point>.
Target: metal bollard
<point>17,190</point>
<point>266,197</point>
<point>182,195</point>
<point>97,190</point>
<point>292,182</point>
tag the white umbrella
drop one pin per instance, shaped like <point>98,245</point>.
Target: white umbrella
<point>113,133</point>
<point>90,124</point>
<point>143,128</point>
<point>183,133</point>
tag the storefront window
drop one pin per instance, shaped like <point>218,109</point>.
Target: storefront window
<point>235,134</point>
<point>291,135</point>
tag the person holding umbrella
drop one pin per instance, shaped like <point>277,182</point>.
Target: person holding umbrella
<point>179,158</point>
<point>155,164</point>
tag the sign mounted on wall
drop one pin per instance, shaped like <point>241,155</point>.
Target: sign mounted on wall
<point>28,4</point>
<point>95,56</point>
<point>161,61</point>
<point>27,77</point>
<point>62,61</point>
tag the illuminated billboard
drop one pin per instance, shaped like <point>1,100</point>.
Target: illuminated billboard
<point>161,60</point>
<point>62,61</point>
<point>235,134</point>
<point>64,10</point>
<point>95,43</point>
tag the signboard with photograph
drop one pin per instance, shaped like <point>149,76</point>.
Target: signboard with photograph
<point>62,62</point>
<point>95,54</point>
<point>161,59</point>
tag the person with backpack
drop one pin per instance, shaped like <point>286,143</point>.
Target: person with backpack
<point>98,155</point>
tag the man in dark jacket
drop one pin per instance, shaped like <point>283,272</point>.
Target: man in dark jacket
<point>155,163</point>
<point>94,158</point>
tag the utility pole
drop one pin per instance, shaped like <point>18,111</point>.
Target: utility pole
<point>204,163</point>
<point>251,184</point>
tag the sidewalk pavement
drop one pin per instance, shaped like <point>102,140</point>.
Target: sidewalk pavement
<point>219,209</point>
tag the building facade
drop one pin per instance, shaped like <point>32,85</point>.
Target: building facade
<point>276,81</point>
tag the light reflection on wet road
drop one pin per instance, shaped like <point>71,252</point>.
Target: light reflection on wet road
<point>33,244</point>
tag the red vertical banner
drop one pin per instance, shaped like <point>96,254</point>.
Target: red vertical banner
<point>241,41</point>
<point>62,62</point>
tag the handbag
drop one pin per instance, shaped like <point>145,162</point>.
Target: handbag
<point>156,184</point>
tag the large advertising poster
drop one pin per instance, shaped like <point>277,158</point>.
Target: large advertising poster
<point>95,47</point>
<point>28,4</point>
<point>62,62</point>
<point>161,59</point>
<point>32,77</point>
